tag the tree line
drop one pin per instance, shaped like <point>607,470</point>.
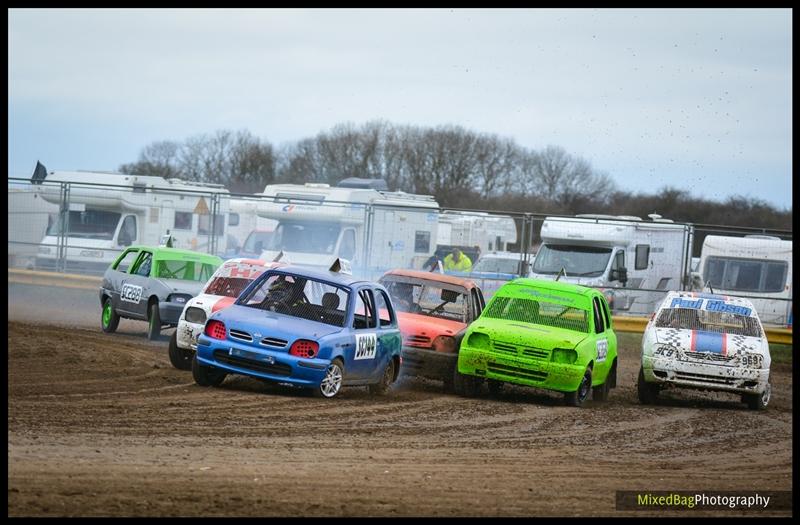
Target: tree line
<point>461,168</point>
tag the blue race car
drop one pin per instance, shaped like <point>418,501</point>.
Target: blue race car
<point>305,327</point>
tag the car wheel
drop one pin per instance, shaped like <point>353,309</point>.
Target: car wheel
<point>600,393</point>
<point>472,385</point>
<point>206,375</point>
<point>154,325</point>
<point>758,401</point>
<point>495,387</point>
<point>332,382</point>
<point>109,318</point>
<point>180,358</point>
<point>648,392</point>
<point>458,380</point>
<point>382,387</point>
<point>579,396</point>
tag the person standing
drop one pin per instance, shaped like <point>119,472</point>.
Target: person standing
<point>457,262</point>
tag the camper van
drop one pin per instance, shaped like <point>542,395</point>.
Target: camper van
<point>375,230</point>
<point>633,258</point>
<point>107,212</point>
<point>247,231</point>
<point>487,232</point>
<point>758,267</point>
<point>28,216</point>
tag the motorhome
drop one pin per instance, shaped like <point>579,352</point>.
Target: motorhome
<point>101,213</point>
<point>247,231</point>
<point>487,232</point>
<point>375,230</point>
<point>635,261</point>
<point>758,267</point>
<point>28,216</point>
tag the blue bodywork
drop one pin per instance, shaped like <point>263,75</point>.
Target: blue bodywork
<point>272,361</point>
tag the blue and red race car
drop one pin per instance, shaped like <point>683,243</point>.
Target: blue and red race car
<point>304,327</point>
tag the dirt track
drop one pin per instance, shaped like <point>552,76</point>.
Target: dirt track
<point>103,425</point>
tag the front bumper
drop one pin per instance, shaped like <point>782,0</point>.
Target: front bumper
<point>427,363</point>
<point>669,371</point>
<point>170,313</point>
<point>187,334</point>
<point>540,373</point>
<point>255,362</point>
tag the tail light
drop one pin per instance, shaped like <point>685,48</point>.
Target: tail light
<point>215,329</point>
<point>444,343</point>
<point>304,348</point>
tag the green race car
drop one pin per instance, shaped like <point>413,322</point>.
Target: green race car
<point>545,334</point>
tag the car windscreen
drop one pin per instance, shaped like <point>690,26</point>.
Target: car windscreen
<point>497,265</point>
<point>184,270</point>
<point>538,312</point>
<point>430,298</point>
<point>88,224</point>
<point>301,297</point>
<point>577,261</point>
<point>708,321</point>
<point>304,237</point>
<point>227,286</point>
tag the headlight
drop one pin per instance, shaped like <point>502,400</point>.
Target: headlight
<point>752,360</point>
<point>479,340</point>
<point>566,356</point>
<point>195,315</point>
<point>179,298</point>
<point>444,343</point>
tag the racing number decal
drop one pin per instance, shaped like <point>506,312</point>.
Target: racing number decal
<point>366,345</point>
<point>131,293</point>
<point>602,350</point>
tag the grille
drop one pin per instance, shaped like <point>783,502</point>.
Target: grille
<point>688,376</point>
<point>278,369</point>
<point>274,341</point>
<point>523,373</point>
<point>536,353</point>
<point>241,335</point>
<point>419,340</point>
<point>505,348</point>
<point>709,357</point>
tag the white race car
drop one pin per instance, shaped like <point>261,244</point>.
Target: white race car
<point>219,292</point>
<point>706,341</point>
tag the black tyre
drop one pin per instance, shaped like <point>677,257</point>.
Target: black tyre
<point>758,401</point>
<point>458,381</point>
<point>495,387</point>
<point>206,375</point>
<point>331,384</point>
<point>579,396</point>
<point>600,393</point>
<point>648,392</point>
<point>472,385</point>
<point>380,389</point>
<point>180,358</point>
<point>154,323</point>
<point>109,318</point>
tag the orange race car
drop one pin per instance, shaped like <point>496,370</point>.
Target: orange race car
<point>433,311</point>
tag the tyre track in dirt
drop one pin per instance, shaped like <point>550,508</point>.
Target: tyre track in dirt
<point>101,424</point>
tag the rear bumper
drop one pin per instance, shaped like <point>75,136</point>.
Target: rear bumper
<point>428,363</point>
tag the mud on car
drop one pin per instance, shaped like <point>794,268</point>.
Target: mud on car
<point>708,342</point>
<point>433,311</point>
<point>219,292</point>
<point>307,328</point>
<point>152,284</point>
<point>543,334</point>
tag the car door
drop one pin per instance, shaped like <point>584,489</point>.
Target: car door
<point>389,338</point>
<point>116,275</point>
<point>361,356</point>
<point>605,339</point>
<point>135,286</point>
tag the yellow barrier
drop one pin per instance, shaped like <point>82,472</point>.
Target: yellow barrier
<point>775,335</point>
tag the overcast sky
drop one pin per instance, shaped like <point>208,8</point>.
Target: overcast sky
<point>695,99</point>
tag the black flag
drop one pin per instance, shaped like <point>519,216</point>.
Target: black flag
<point>39,173</point>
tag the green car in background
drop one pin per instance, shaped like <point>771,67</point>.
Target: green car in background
<point>545,334</point>
<point>153,284</point>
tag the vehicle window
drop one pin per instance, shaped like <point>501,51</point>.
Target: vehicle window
<point>364,314</point>
<point>184,270</point>
<point>619,260</point>
<point>497,265</point>
<point>599,325</point>
<point>304,237</point>
<point>88,224</point>
<point>384,309</point>
<point>720,322</point>
<point>142,266</point>
<point>431,298</point>
<point>642,257</point>
<point>300,297</point>
<point>127,233</point>
<point>538,312</point>
<point>183,220</point>
<point>422,242</point>
<point>204,224</point>
<point>578,261</point>
<point>233,219</point>
<point>348,246</point>
<point>606,313</point>
<point>746,275</point>
<point>227,286</point>
<point>127,259</point>
<point>257,241</point>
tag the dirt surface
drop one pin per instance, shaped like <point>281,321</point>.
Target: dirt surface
<point>102,425</point>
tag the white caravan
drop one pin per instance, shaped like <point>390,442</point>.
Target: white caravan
<point>375,230</point>
<point>487,232</point>
<point>28,216</point>
<point>110,211</point>
<point>247,231</point>
<point>638,260</point>
<point>758,267</point>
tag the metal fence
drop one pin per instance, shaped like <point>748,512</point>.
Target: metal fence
<point>84,227</point>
